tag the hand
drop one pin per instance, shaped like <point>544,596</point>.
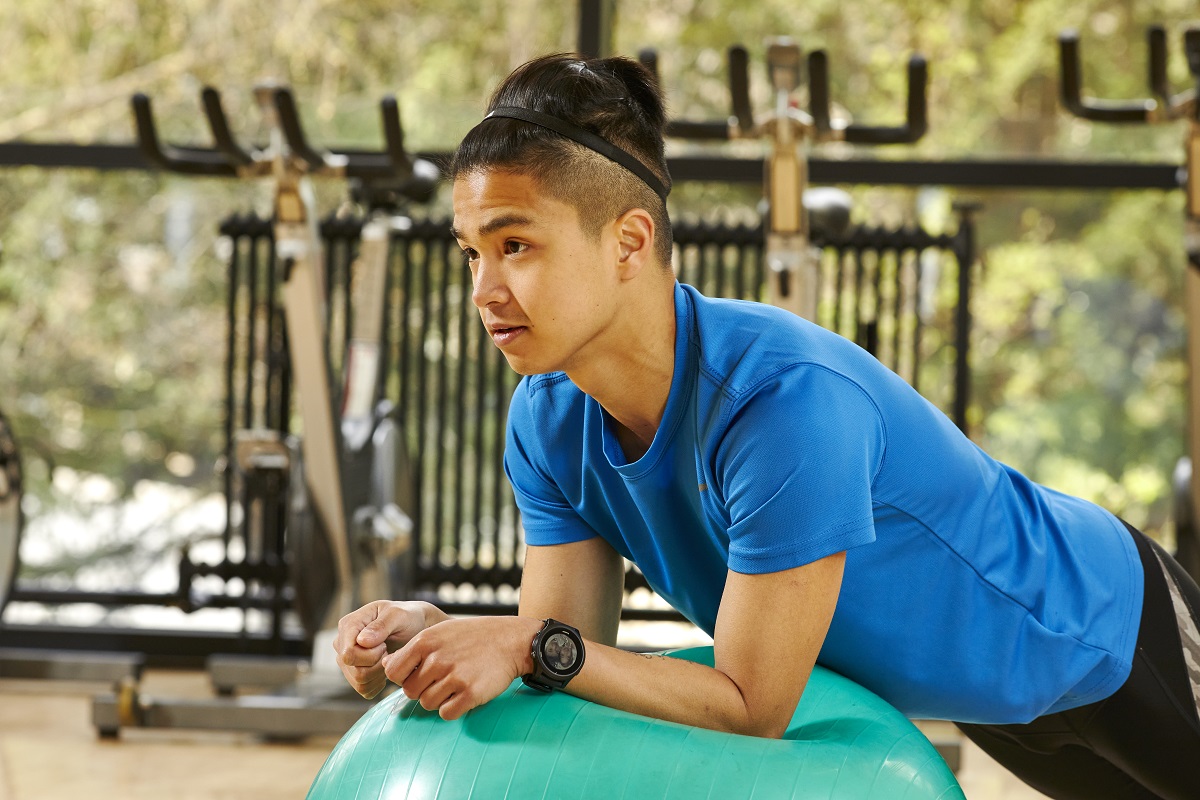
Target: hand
<point>365,636</point>
<point>462,663</point>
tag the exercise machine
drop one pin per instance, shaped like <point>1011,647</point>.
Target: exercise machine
<point>798,217</point>
<point>1164,106</point>
<point>10,508</point>
<point>335,496</point>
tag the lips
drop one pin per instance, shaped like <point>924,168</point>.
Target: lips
<point>503,335</point>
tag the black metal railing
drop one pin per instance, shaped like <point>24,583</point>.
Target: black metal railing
<point>902,294</point>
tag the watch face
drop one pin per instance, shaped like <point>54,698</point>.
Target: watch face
<point>559,652</point>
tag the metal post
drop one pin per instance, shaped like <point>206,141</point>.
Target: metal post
<point>965,251</point>
<point>596,21</point>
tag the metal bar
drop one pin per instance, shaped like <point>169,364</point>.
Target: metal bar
<point>278,414</point>
<point>1017,174</point>
<point>482,342</point>
<point>123,598</point>
<point>442,403</point>
<point>162,648</point>
<point>230,404</point>
<point>230,672</point>
<point>978,173</point>
<point>918,321</point>
<point>266,715</point>
<point>460,408</point>
<point>425,528</point>
<point>595,27</point>
<point>899,303</point>
<point>89,667</point>
<point>249,418</point>
<point>965,251</point>
<point>349,249</point>
<point>503,393</point>
<point>403,258</point>
<point>915,311</point>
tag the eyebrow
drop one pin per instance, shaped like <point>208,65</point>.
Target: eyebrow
<point>493,225</point>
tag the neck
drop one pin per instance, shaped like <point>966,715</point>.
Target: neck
<point>631,376</point>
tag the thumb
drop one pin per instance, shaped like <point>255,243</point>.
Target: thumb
<point>373,634</point>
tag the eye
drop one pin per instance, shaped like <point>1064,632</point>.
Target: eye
<point>513,248</point>
<point>469,256</point>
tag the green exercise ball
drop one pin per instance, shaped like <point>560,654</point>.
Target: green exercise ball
<point>843,742</point>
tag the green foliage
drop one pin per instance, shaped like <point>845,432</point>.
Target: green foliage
<point>111,323</point>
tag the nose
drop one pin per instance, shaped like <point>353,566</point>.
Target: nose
<point>487,284</point>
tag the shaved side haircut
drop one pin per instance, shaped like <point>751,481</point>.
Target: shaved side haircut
<point>616,99</point>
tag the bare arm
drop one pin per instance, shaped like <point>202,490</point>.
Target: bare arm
<point>581,583</point>
<point>769,631</point>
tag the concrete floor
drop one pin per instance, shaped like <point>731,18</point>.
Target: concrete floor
<point>49,750</point>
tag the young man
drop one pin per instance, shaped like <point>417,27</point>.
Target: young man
<point>774,483</point>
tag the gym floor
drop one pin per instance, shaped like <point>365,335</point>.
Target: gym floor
<point>49,750</point>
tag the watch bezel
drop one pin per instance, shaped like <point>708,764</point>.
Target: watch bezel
<point>544,677</point>
<point>544,639</point>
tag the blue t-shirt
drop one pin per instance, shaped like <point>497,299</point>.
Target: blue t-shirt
<point>970,593</point>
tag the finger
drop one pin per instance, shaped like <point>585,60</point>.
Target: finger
<point>398,665</point>
<point>352,624</point>
<point>364,676</point>
<point>368,686</point>
<point>390,620</point>
<point>373,634</point>
<point>449,696</point>
<point>356,656</point>
<point>418,681</point>
<point>456,705</point>
<point>434,695</point>
<point>373,688</point>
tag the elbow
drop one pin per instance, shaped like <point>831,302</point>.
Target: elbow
<point>766,715</point>
<point>765,724</point>
<point>770,727</point>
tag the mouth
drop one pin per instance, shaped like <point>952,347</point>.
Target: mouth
<point>503,335</point>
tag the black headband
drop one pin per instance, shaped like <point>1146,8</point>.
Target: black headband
<point>588,140</point>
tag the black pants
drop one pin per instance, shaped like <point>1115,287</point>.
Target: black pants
<point>1144,740</point>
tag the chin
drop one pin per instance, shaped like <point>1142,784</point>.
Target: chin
<point>523,366</point>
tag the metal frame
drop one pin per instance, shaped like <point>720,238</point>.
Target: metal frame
<point>1164,106</point>
<point>953,173</point>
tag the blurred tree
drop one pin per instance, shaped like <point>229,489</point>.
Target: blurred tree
<point>111,325</point>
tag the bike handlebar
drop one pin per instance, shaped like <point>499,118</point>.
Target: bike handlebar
<point>1160,87</point>
<point>414,179</point>
<point>741,122</point>
<point>1070,83</point>
<point>218,123</point>
<point>739,90</point>
<point>916,119</point>
<point>185,160</point>
<point>1191,49</point>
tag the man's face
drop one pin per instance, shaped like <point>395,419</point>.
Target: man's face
<point>546,291</point>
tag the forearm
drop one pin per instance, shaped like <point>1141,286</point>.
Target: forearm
<point>675,690</point>
<point>651,685</point>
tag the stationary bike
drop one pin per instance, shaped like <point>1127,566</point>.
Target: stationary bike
<point>344,483</point>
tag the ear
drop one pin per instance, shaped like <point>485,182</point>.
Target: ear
<point>635,234</point>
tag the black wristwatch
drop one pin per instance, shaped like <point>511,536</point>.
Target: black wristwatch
<point>557,656</point>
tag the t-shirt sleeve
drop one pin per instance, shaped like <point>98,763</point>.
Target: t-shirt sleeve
<point>546,515</point>
<point>796,462</point>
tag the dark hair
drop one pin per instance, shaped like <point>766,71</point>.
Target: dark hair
<point>616,99</point>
